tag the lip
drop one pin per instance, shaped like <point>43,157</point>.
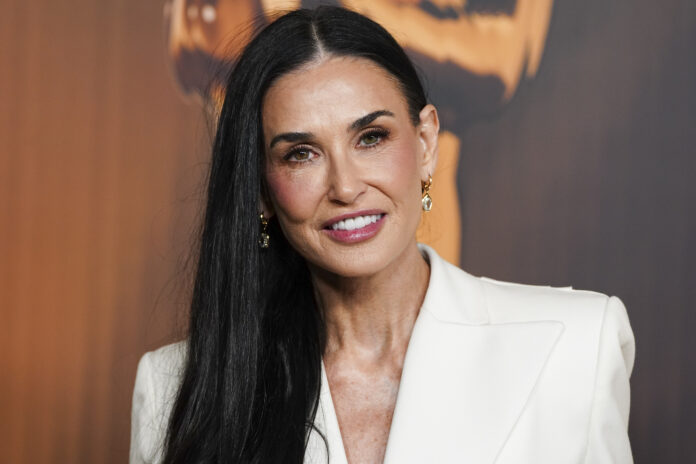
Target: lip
<point>364,212</point>
<point>355,235</point>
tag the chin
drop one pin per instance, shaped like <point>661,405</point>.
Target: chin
<point>355,261</point>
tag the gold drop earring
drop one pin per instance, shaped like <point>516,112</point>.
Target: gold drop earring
<point>426,201</point>
<point>264,239</point>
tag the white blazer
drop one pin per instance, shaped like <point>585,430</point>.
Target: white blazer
<point>494,372</point>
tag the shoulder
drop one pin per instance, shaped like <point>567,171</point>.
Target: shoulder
<point>512,301</point>
<point>156,385</point>
<point>165,363</point>
<point>454,292</point>
<point>586,316</point>
<point>159,373</point>
<point>604,317</point>
<point>509,301</point>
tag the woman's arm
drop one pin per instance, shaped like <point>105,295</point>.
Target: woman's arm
<point>608,435</point>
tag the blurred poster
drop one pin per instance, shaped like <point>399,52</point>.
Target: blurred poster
<point>473,54</point>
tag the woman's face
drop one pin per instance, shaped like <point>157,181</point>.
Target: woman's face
<point>344,164</point>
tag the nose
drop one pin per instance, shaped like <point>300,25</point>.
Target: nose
<point>345,183</point>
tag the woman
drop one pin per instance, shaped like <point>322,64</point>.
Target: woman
<point>309,317</point>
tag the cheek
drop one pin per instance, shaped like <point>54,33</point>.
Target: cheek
<point>295,196</point>
<point>401,171</point>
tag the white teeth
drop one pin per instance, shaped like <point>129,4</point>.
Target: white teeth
<point>356,222</point>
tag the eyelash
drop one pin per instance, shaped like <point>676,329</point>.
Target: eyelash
<point>381,133</point>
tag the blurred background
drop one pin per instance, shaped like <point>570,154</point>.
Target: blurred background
<point>567,158</point>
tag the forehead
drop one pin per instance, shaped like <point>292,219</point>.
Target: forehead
<point>336,90</point>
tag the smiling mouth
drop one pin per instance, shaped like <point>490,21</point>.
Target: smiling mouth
<point>357,222</point>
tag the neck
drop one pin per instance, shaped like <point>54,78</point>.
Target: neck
<point>370,318</point>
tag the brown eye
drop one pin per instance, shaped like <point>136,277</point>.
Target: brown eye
<point>372,138</point>
<point>299,155</point>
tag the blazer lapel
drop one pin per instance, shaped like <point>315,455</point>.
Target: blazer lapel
<point>465,381</point>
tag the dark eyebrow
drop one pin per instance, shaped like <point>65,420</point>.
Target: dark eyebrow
<point>357,124</point>
<point>367,119</point>
<point>291,137</point>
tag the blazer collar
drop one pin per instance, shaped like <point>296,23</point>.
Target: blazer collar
<point>465,381</point>
<point>453,295</point>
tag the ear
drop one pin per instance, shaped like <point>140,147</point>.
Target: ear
<point>427,132</point>
<point>265,203</point>
<point>266,208</point>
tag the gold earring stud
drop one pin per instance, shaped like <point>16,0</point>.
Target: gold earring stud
<point>264,239</point>
<point>426,201</point>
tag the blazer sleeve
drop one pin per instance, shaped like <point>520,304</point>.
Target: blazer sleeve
<point>608,441</point>
<point>145,429</point>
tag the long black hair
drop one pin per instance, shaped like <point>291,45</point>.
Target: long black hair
<point>250,386</point>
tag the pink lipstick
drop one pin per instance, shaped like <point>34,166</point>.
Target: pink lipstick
<point>355,227</point>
